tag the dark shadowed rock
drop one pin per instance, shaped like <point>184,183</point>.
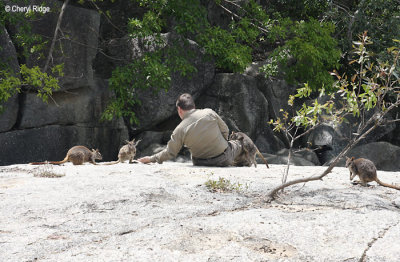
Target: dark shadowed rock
<point>332,138</point>
<point>283,159</point>
<point>160,106</point>
<point>307,154</point>
<point>53,142</point>
<point>242,106</point>
<point>77,49</point>
<point>277,92</point>
<point>151,142</point>
<point>8,56</point>
<point>303,158</point>
<point>267,141</point>
<point>8,117</point>
<point>83,106</point>
<point>327,142</point>
<point>384,155</point>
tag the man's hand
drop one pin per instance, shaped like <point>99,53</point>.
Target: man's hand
<point>144,160</point>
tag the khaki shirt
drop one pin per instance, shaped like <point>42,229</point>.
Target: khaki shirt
<point>202,131</point>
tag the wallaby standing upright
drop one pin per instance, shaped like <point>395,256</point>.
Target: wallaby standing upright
<point>365,170</point>
<point>77,155</point>
<point>127,152</point>
<point>249,150</point>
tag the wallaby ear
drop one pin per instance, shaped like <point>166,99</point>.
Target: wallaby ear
<point>352,158</point>
<point>347,158</point>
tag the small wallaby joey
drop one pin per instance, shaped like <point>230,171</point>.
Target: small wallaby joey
<point>365,170</point>
<point>77,155</point>
<point>127,152</point>
<point>249,150</point>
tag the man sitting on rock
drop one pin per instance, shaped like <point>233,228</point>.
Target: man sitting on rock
<point>203,132</point>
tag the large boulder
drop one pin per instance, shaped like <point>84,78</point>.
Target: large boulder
<point>283,159</point>
<point>8,56</point>
<point>47,131</point>
<point>299,158</point>
<point>77,47</point>
<point>157,107</point>
<point>276,90</point>
<point>151,142</point>
<point>243,107</point>
<point>384,155</point>
<point>52,142</point>
<point>393,137</point>
<point>83,106</point>
<point>160,106</point>
<point>327,142</point>
<point>73,114</point>
<point>331,138</point>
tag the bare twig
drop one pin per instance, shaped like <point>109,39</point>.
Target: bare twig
<point>53,42</point>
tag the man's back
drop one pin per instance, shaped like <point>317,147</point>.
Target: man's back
<point>204,133</point>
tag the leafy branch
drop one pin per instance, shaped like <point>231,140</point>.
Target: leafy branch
<point>379,91</point>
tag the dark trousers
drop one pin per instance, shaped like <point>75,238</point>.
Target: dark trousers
<point>225,159</point>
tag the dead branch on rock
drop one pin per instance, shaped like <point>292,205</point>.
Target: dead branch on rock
<point>379,120</point>
<point>377,88</point>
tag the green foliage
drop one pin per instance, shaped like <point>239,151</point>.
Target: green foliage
<point>9,86</point>
<point>42,82</point>
<point>379,17</point>
<point>24,38</point>
<point>231,48</point>
<point>309,115</point>
<point>228,53</point>
<point>28,44</point>
<point>152,70</point>
<point>223,185</point>
<point>374,86</point>
<point>313,50</point>
<point>33,78</point>
<point>147,71</point>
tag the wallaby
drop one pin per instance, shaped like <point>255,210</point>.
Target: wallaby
<point>77,155</point>
<point>127,152</point>
<point>365,170</point>
<point>249,150</point>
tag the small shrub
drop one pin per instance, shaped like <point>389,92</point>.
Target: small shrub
<point>223,185</point>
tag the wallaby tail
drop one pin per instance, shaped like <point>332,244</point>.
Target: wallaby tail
<point>50,162</point>
<point>386,185</point>
<point>39,163</point>
<point>262,157</point>
<point>111,163</point>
